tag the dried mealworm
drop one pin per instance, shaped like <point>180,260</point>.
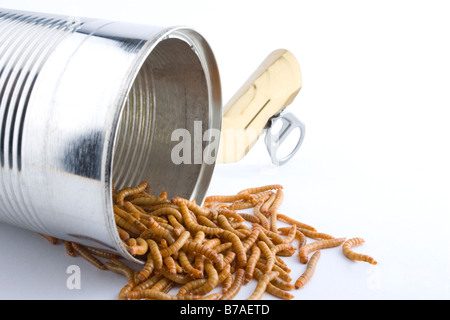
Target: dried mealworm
<point>82,251</point>
<point>262,285</point>
<point>125,192</point>
<point>235,286</point>
<point>177,245</point>
<point>310,268</point>
<point>349,253</point>
<point>261,189</point>
<point>317,245</point>
<point>291,221</point>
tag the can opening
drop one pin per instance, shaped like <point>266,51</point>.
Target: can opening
<point>170,92</point>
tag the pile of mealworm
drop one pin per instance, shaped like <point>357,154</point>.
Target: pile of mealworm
<point>210,251</point>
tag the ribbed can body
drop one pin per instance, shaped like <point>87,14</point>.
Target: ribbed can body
<point>85,103</point>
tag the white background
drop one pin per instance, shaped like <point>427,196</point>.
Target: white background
<point>375,160</point>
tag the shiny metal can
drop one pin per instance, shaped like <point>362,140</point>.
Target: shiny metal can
<point>85,103</point>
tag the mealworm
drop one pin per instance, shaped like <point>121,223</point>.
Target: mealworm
<point>169,262</point>
<point>225,224</point>
<point>228,199</point>
<point>193,226</point>
<point>291,221</point>
<point>51,239</point>
<point>276,203</point>
<point>240,205</point>
<point>190,246</point>
<point>163,195</point>
<point>157,295</point>
<point>241,256</point>
<point>272,289</point>
<point>148,268</point>
<point>139,248</point>
<point>132,209</point>
<point>167,211</point>
<point>251,263</point>
<point>262,284</point>
<point>191,205</point>
<point>282,247</point>
<point>69,248</point>
<point>211,282</point>
<point>177,245</point>
<point>283,274</point>
<point>82,251</point>
<point>203,220</point>
<point>191,285</point>
<point>148,283</point>
<point>235,286</point>
<point>187,266</point>
<point>251,239</point>
<point>156,254</point>
<point>101,253</point>
<point>231,214</point>
<point>125,192</point>
<point>179,278</point>
<point>268,254</point>
<point>127,226</point>
<point>347,250</point>
<point>262,218</point>
<point>310,268</point>
<point>317,245</point>
<point>123,235</point>
<point>161,284</point>
<point>261,189</point>
<point>249,217</point>
<point>148,201</point>
<point>212,296</point>
<point>265,207</point>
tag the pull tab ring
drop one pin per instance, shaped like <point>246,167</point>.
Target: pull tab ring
<point>274,140</point>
